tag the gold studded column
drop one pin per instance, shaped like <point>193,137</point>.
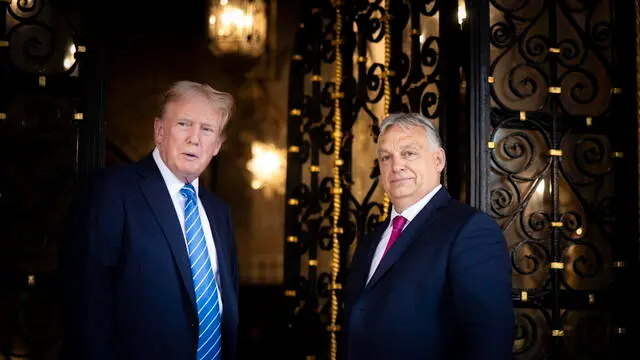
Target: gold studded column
<point>387,86</point>
<point>337,186</point>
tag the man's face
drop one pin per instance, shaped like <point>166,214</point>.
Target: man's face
<point>188,136</point>
<point>408,167</point>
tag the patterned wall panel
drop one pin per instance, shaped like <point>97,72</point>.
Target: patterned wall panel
<point>558,157</point>
<point>48,135</point>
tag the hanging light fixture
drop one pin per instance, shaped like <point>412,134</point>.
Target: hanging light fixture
<point>238,27</point>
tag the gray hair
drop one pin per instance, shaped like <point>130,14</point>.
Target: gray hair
<point>408,120</point>
<point>180,90</point>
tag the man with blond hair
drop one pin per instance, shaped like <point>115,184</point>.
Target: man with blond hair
<point>149,267</point>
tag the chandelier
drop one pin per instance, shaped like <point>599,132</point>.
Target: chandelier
<point>238,27</point>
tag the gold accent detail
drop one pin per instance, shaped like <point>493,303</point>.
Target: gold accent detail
<point>314,168</point>
<point>337,182</point>
<point>337,95</point>
<point>589,121</point>
<point>292,239</point>
<point>294,149</point>
<point>336,286</point>
<point>415,32</point>
<point>523,115</point>
<point>555,89</point>
<point>42,81</point>
<point>621,330</point>
<point>313,262</point>
<point>3,116</point>
<point>616,91</point>
<point>555,152</point>
<point>78,116</point>
<point>293,202</point>
<point>290,293</point>
<point>524,296</point>
<point>31,280</point>
<point>592,299</point>
<point>82,49</point>
<point>339,230</point>
<point>557,333</point>
<point>4,43</point>
<point>491,79</point>
<point>386,204</point>
<point>554,50</point>
<point>557,224</point>
<point>557,265</point>
<point>296,57</point>
<point>339,162</point>
<point>617,154</point>
<point>579,231</point>
<point>295,112</point>
<point>618,264</point>
<point>316,78</point>
<point>491,145</point>
<point>362,59</point>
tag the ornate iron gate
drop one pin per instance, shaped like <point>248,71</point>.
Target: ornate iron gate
<point>544,82</point>
<point>50,137</point>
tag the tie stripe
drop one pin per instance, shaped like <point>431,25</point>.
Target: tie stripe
<point>204,281</point>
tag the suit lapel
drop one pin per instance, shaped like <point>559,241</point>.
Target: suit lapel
<point>159,200</point>
<point>415,229</point>
<point>362,260</point>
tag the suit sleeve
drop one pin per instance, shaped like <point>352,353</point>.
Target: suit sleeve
<point>480,273</point>
<point>88,257</point>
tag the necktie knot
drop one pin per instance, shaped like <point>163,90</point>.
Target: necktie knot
<point>188,191</point>
<point>398,223</point>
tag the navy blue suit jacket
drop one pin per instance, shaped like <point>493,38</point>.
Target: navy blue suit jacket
<point>126,274</point>
<point>442,292</point>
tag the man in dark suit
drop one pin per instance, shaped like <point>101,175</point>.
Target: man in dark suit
<point>150,269</point>
<point>434,280</point>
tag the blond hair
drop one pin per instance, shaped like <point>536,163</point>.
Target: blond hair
<point>219,100</point>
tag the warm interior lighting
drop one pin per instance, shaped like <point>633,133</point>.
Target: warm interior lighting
<point>462,12</point>
<point>70,57</point>
<point>267,166</point>
<point>238,27</point>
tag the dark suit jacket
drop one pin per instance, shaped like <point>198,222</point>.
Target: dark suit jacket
<point>126,274</point>
<point>443,290</point>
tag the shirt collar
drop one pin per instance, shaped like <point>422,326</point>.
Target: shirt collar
<point>174,185</point>
<point>412,211</point>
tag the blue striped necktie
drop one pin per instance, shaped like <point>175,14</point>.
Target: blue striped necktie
<point>204,282</point>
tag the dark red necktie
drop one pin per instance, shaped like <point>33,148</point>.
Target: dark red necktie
<point>398,225</point>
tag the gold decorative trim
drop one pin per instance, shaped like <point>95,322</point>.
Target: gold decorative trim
<point>554,152</point>
<point>293,202</point>
<point>42,81</point>
<point>362,59</point>
<point>295,112</point>
<point>338,162</point>
<point>337,95</point>
<point>592,299</point>
<point>294,149</point>
<point>31,280</point>
<point>557,224</point>
<point>617,154</point>
<point>333,329</point>
<point>296,57</point>
<point>491,145</point>
<point>491,79</point>
<point>336,286</point>
<point>339,230</point>
<point>555,89</point>
<point>314,168</point>
<point>556,265</point>
<point>589,120</point>
<point>292,239</point>
<point>336,191</point>
<point>3,116</point>
<point>524,296</point>
<point>316,78</point>
<point>616,91</point>
<point>523,115</point>
<point>78,116</point>
<point>618,264</point>
<point>82,49</point>
<point>290,293</point>
<point>557,333</point>
<point>554,50</point>
<point>313,262</point>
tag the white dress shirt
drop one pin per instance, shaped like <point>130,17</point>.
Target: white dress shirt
<point>409,214</point>
<point>174,185</point>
